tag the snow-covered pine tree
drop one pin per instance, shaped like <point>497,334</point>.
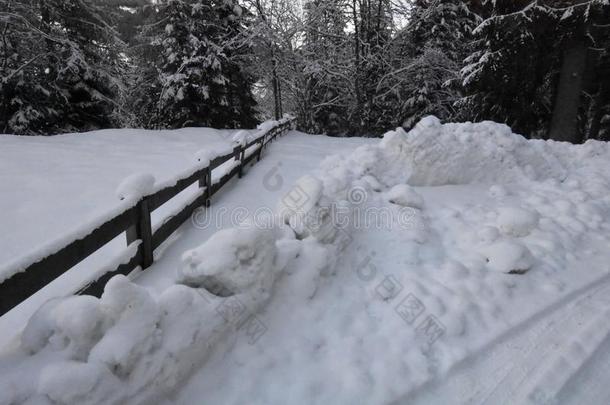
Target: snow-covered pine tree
<point>506,77</point>
<point>581,93</point>
<point>199,80</point>
<point>60,67</point>
<point>599,127</point>
<point>517,73</point>
<point>598,111</point>
<point>426,59</point>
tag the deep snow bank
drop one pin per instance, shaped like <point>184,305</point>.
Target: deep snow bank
<point>437,154</point>
<point>132,345</point>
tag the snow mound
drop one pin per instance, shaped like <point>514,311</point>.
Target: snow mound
<point>242,137</point>
<point>267,125</point>
<point>486,152</point>
<point>72,382</point>
<point>517,222</point>
<point>136,186</point>
<point>203,157</point>
<point>301,199</point>
<point>488,234</point>
<point>129,346</point>
<point>508,257</point>
<point>232,261</point>
<point>435,154</point>
<point>405,196</point>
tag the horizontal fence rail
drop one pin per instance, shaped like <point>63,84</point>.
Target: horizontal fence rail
<point>136,223</point>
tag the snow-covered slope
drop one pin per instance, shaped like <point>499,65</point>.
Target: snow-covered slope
<point>382,275</point>
<point>52,187</point>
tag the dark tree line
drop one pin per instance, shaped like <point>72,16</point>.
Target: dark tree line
<point>74,65</point>
<point>344,67</point>
<point>541,67</point>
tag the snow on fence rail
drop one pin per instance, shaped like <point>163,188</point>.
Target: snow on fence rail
<point>136,222</point>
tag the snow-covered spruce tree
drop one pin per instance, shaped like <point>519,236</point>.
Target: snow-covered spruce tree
<point>581,93</point>
<point>598,111</point>
<point>506,77</point>
<point>60,69</point>
<point>426,59</point>
<point>199,80</point>
<point>531,64</point>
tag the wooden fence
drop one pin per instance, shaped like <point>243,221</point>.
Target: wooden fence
<point>136,223</point>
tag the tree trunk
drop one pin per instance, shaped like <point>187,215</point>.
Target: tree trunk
<point>564,123</point>
<point>277,95</point>
<point>596,114</point>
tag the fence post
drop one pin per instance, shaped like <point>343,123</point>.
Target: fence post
<point>237,155</point>
<point>260,149</point>
<point>206,181</point>
<point>142,230</point>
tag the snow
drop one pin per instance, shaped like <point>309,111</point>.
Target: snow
<point>515,221</point>
<point>135,340</point>
<point>404,195</point>
<point>204,156</point>
<point>242,138</point>
<point>136,186</point>
<point>302,206</point>
<point>233,261</point>
<point>55,189</point>
<point>508,256</point>
<point>486,152</point>
<point>481,238</point>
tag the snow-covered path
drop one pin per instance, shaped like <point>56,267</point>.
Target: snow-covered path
<point>505,339</point>
<point>560,355</point>
<point>351,342</point>
<point>256,194</point>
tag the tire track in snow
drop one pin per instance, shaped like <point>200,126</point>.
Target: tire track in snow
<point>532,361</point>
<point>557,351</point>
<point>575,355</point>
<point>589,385</point>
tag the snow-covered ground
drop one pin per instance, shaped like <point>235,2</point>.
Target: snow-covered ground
<point>56,188</point>
<point>51,186</point>
<point>457,263</point>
